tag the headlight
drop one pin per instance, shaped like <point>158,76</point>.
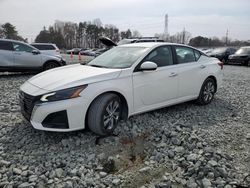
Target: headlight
<point>69,93</point>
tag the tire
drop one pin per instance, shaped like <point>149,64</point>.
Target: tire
<point>207,92</point>
<point>248,63</point>
<point>224,61</point>
<point>50,65</point>
<point>104,114</point>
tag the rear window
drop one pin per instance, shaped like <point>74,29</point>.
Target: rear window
<point>44,47</point>
<point>5,45</point>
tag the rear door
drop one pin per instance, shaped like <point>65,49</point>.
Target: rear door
<point>191,71</point>
<point>6,54</point>
<point>24,58</point>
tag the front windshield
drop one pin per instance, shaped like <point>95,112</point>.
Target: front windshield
<point>118,57</point>
<point>243,51</point>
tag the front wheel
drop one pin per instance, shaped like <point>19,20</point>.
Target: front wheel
<point>104,114</point>
<point>50,65</point>
<point>207,92</point>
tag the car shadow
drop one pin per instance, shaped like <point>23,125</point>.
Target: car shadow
<point>15,74</point>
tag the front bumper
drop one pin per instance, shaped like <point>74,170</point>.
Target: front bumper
<point>238,61</point>
<point>60,116</point>
<point>63,62</point>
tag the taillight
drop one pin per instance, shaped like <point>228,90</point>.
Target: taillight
<point>221,65</point>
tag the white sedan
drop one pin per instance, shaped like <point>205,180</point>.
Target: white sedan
<point>124,81</point>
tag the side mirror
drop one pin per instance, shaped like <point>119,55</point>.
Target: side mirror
<point>35,52</point>
<point>148,66</point>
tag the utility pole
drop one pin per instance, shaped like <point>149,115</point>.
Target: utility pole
<point>183,36</point>
<point>227,37</point>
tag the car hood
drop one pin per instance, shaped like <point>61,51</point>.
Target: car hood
<point>239,55</point>
<point>107,41</point>
<point>71,76</point>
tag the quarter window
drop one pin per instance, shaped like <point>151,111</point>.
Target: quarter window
<point>197,55</point>
<point>21,47</point>
<point>162,56</point>
<point>5,45</point>
<point>185,54</point>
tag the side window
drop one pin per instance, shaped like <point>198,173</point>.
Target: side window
<point>5,45</point>
<point>22,47</point>
<point>197,55</point>
<point>162,56</point>
<point>184,54</point>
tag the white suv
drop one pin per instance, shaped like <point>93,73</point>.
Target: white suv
<point>16,56</point>
<point>47,48</point>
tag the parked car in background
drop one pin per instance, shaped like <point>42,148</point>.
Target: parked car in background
<point>241,56</point>
<point>109,43</point>
<point>19,56</point>
<point>124,81</point>
<point>47,48</point>
<point>75,51</point>
<point>222,53</point>
<point>88,52</point>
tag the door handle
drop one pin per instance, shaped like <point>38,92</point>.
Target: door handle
<point>202,66</point>
<point>17,53</point>
<point>173,74</point>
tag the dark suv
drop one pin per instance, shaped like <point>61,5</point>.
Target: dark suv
<point>222,53</point>
<point>242,56</point>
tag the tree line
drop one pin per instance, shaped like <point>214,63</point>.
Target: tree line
<point>67,35</point>
<point>84,34</point>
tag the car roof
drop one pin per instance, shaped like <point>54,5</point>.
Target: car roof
<point>11,40</point>
<point>42,44</point>
<point>152,44</point>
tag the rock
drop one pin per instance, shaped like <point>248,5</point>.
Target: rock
<point>59,172</point>
<point>17,171</point>
<point>4,163</point>
<point>206,183</point>
<point>171,154</point>
<point>192,157</point>
<point>91,157</point>
<point>212,163</point>
<point>175,141</point>
<point>179,149</point>
<point>116,181</point>
<point>33,178</point>
<point>248,136</point>
<point>103,174</point>
<point>191,183</point>
<point>145,169</point>
<point>24,185</point>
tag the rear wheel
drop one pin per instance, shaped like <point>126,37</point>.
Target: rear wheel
<point>104,114</point>
<point>207,92</point>
<point>50,65</point>
<point>248,63</point>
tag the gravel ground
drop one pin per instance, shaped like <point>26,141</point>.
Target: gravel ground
<point>180,146</point>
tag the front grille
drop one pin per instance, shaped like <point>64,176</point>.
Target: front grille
<point>27,103</point>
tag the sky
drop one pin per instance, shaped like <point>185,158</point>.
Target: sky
<point>206,18</point>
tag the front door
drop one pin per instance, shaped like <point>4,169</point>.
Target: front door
<point>153,89</point>
<point>6,55</point>
<point>24,58</point>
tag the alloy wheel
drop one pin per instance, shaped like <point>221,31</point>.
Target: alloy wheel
<point>208,92</point>
<point>111,115</point>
